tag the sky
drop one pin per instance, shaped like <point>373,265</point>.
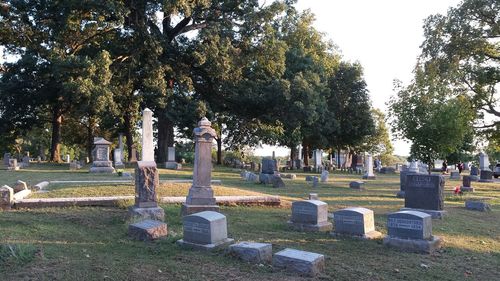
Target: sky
<point>383,36</point>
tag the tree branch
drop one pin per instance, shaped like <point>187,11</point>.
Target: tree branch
<point>177,29</point>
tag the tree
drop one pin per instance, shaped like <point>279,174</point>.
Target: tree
<point>379,143</point>
<point>463,49</point>
<point>428,113</point>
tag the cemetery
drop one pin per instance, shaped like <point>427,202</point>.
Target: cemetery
<point>233,140</point>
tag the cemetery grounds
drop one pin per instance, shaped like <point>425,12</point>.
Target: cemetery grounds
<point>91,243</point>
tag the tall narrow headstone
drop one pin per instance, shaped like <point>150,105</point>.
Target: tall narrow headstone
<point>117,156</point>
<point>425,193</point>
<point>146,177</point>
<point>171,163</point>
<point>318,158</point>
<point>201,195</point>
<point>411,231</point>
<point>484,162</point>
<point>6,158</point>
<point>369,168</point>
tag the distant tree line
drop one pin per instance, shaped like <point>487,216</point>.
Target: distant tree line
<point>260,73</point>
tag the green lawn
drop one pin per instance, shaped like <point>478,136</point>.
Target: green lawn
<point>91,243</point>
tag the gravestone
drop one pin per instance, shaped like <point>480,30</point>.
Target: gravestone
<point>252,177</point>
<point>13,165</point>
<point>205,230</point>
<point>268,166</point>
<point>301,262</point>
<point>146,178</point>
<point>309,178</point>
<point>474,173</point>
<point>313,196</point>
<point>101,163</point>
<point>201,196</point>
<point>357,185</point>
<point>133,154</point>
<point>171,163</point>
<point>117,157</point>
<point>356,222</point>
<point>477,205</point>
<point>310,215</point>
<point>298,164</point>
<point>402,182</point>
<point>388,170</point>
<point>315,181</point>
<point>484,162</point>
<point>318,160</point>
<point>466,184</point>
<point>324,176</point>
<point>252,252</point>
<point>265,178</point>
<point>20,186</point>
<point>369,168</point>
<point>288,176</point>
<point>6,158</point>
<point>147,230</point>
<point>6,197</point>
<point>425,193</point>
<point>26,161</point>
<point>411,231</point>
<point>454,175</point>
<point>277,181</point>
<point>74,165</point>
<point>413,167</point>
<point>486,176</point>
<point>68,158</point>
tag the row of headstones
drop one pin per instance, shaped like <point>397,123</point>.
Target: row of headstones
<point>407,230</point>
<point>11,163</point>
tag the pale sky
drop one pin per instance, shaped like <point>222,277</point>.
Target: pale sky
<point>384,36</point>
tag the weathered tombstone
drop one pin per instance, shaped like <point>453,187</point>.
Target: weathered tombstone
<point>288,176</point>
<point>324,176</point>
<point>265,178</point>
<point>13,165</point>
<point>466,184</point>
<point>454,175</point>
<point>205,230</point>
<point>68,158</point>
<point>171,163</point>
<point>425,193</point>
<point>6,158</point>
<point>313,196</point>
<point>484,162</point>
<point>146,177</point>
<point>117,157</point>
<point>477,205</point>
<point>486,176</point>
<point>310,215</point>
<point>133,154</point>
<point>356,222</point>
<point>201,196</point>
<point>411,231</point>
<point>315,181</point>
<point>277,181</point>
<point>301,262</point>
<point>252,177</point>
<point>474,173</point>
<point>369,168</point>
<point>413,167</point>
<point>298,164</point>
<point>147,230</point>
<point>26,161</point>
<point>6,197</point>
<point>101,163</point>
<point>318,160</point>
<point>357,185</point>
<point>252,252</point>
<point>20,186</point>
<point>268,166</point>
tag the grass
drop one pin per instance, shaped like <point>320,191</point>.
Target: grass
<point>91,243</point>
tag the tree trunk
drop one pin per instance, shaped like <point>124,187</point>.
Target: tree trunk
<point>55,146</point>
<point>338,159</point>
<point>305,150</point>
<point>90,139</point>
<point>165,135</point>
<point>293,152</point>
<point>128,134</point>
<point>219,150</point>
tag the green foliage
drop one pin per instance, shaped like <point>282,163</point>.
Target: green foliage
<point>379,143</point>
<point>16,255</point>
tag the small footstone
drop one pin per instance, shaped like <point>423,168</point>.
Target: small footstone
<point>147,230</point>
<point>477,205</point>
<point>253,252</point>
<point>357,185</point>
<point>313,196</point>
<point>305,263</point>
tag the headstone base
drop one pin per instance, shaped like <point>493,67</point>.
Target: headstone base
<point>400,194</point>
<point>253,252</point>
<point>173,166</point>
<point>467,189</point>
<point>474,178</point>
<point>372,235</point>
<point>435,214</point>
<point>320,227</point>
<point>365,177</point>
<point>154,213</point>
<point>147,230</point>
<point>191,209</point>
<point>205,247</point>
<point>414,245</point>
<point>485,180</point>
<point>108,170</point>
